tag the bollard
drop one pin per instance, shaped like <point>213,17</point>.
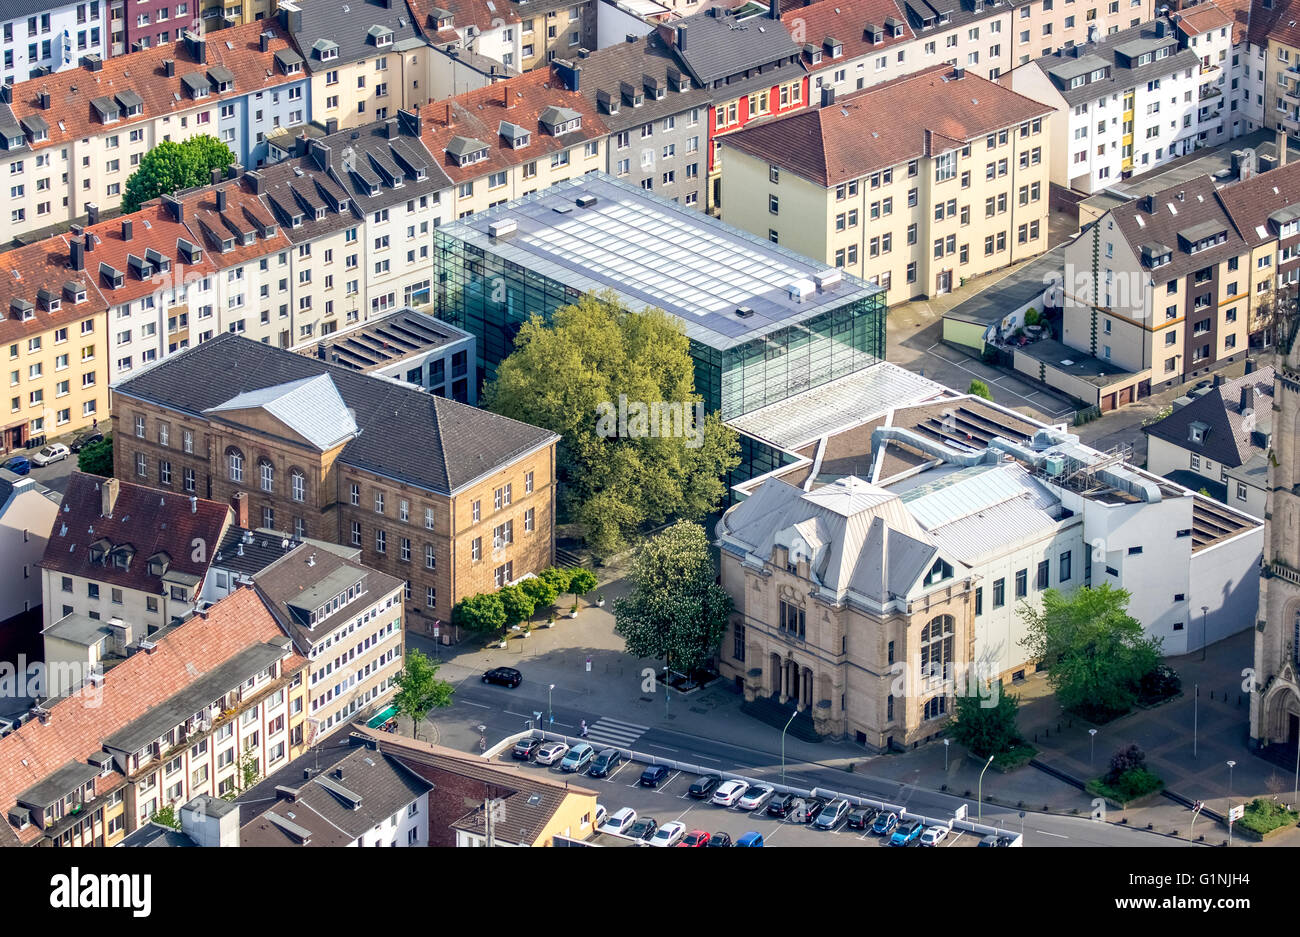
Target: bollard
<point>1211,694</point>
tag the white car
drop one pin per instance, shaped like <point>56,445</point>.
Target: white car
<point>934,835</point>
<point>550,754</point>
<point>670,834</point>
<point>52,453</point>
<point>601,813</point>
<point>729,792</point>
<point>756,797</point>
<point>619,821</point>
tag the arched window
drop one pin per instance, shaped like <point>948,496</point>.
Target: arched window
<point>235,462</point>
<point>298,485</point>
<point>936,648</point>
<point>266,474</point>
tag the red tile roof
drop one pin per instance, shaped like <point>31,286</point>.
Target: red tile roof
<point>845,21</point>
<point>25,271</point>
<point>464,13</point>
<point>71,116</point>
<point>151,227</point>
<point>78,724</point>
<point>478,115</point>
<point>148,519</point>
<point>1278,23</point>
<point>244,212</point>
<point>1238,11</point>
<point>1202,17</point>
<point>885,125</point>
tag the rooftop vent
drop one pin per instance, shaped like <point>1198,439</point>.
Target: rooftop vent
<point>585,201</point>
<point>505,226</point>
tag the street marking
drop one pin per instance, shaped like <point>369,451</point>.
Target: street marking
<point>615,732</point>
<point>705,758</point>
<point>1057,835</point>
<point>479,705</point>
<point>662,748</point>
<point>960,834</point>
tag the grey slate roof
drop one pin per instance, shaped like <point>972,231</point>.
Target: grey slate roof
<point>1226,439</point>
<point>606,69</point>
<point>349,153</point>
<point>1121,77</point>
<point>347,23</point>
<point>429,442</point>
<point>1197,206</point>
<point>720,46</point>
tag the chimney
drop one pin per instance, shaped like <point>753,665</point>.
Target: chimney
<point>447,120</point>
<point>216,174</point>
<point>390,127</point>
<point>198,48</point>
<point>254,180</point>
<point>774,9</point>
<point>239,501</point>
<point>108,490</point>
<point>43,99</point>
<point>221,199</point>
<point>338,772</point>
<point>78,254</point>
<point>92,213</point>
<point>264,42</point>
<point>169,68</point>
<point>1161,26</point>
<point>1250,365</point>
<point>128,229</point>
<point>681,38</point>
<point>505,95</point>
<point>320,351</point>
<point>332,125</point>
<point>958,72</point>
<point>173,206</point>
<point>90,242</point>
<point>828,95</point>
<point>1281,147</point>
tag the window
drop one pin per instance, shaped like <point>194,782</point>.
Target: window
<point>999,593</point>
<point>1063,574</point>
<point>1044,572</point>
<point>1022,583</point>
<point>235,465</point>
<point>792,620</point>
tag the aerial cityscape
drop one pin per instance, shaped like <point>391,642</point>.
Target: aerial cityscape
<point>600,423</point>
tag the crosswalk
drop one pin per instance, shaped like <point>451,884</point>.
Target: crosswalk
<point>615,732</point>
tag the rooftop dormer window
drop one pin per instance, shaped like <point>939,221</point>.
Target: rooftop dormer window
<point>249,238</point>
<point>297,220</point>
<point>381,36</point>
<point>227,244</point>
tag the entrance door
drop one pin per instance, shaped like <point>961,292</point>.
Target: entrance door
<point>943,282</point>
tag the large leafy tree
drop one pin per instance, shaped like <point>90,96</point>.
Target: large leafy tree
<point>986,730</point>
<point>1096,653</point>
<point>419,689</point>
<point>483,613</point>
<point>171,166</point>
<point>565,375</point>
<point>97,458</point>
<point>517,604</point>
<point>675,609</point>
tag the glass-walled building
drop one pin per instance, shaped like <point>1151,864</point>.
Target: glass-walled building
<point>764,323</point>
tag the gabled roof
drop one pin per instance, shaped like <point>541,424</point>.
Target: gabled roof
<point>310,406</point>
<point>352,159</point>
<point>1187,209</point>
<point>847,22</point>
<point>1117,51</point>
<point>148,520</point>
<point>720,44</point>
<point>885,125</point>
<point>430,442</point>
<point>151,227</point>
<point>1277,23</point>
<point>45,265</point>
<point>1226,432</point>
<point>1201,18</point>
<point>77,725</point>
<point>244,213</point>
<point>347,24</point>
<point>607,69</point>
<point>485,14</point>
<point>1256,203</point>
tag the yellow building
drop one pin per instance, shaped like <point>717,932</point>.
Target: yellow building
<point>872,185</point>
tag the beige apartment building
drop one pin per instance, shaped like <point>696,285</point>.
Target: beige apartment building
<point>912,185</point>
<point>553,29</point>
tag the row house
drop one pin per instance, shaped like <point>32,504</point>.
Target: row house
<point>70,141</point>
<point>1129,102</point>
<point>27,512</point>
<point>1178,279</point>
<point>749,64</point>
<point>551,29</point>
<point>54,342</point>
<point>206,709</point>
<point>956,187</point>
<point>657,116</point>
<point>478,40</point>
<point>517,136</point>
<point>448,498</point>
<point>366,58</point>
<point>1275,37</point>
<point>125,553</point>
<point>47,36</point>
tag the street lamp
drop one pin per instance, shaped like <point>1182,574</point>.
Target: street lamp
<point>550,715</point>
<point>1231,765</point>
<point>787,725</point>
<point>482,738</point>
<point>1092,747</point>
<point>947,742</point>
<point>1205,609</point>
<point>981,788</point>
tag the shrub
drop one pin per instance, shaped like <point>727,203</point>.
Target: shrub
<point>1123,761</point>
<point>979,389</point>
<point>1263,816</point>
<point>1162,683</point>
<point>1032,317</point>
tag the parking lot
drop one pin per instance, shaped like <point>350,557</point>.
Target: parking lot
<point>670,801</point>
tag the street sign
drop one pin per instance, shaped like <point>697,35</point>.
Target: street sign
<point>1237,812</point>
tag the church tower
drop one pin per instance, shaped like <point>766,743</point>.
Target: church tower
<point>1275,699</point>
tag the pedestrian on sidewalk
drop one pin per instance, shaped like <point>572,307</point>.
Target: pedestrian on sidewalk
<point>583,729</point>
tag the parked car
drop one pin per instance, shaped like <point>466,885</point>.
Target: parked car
<point>526,749</point>
<point>86,439</point>
<point>606,763</point>
<point>832,814</point>
<point>860,817</point>
<point>808,811</point>
<point>643,829</point>
<point>696,838</point>
<point>884,824</point>
<point>720,839</point>
<point>551,752</point>
<point>756,797</point>
<point>579,757</point>
<point>46,455</point>
<point>934,835</point>
<point>670,834</point>
<point>1005,839</point>
<point>780,805</point>
<point>601,813</point>
<point>907,832</point>
<point>653,776</point>
<point>702,787</point>
<point>19,465</point>
<point>504,676</point>
<point>750,839</point>
<point>619,821</point>
<point>729,792</point>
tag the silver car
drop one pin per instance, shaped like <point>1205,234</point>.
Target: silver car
<point>552,752</point>
<point>756,797</point>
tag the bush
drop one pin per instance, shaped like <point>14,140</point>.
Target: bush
<point>97,458</point>
<point>1130,786</point>
<point>1160,684</point>
<point>1032,317</point>
<point>979,389</point>
<point>989,355</point>
<point>1263,816</point>
<point>1124,761</point>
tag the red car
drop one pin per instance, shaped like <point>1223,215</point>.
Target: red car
<point>695,838</point>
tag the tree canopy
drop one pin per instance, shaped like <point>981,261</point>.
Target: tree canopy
<point>483,613</point>
<point>986,730</point>
<point>1096,653</point>
<point>97,458</point>
<point>675,609</point>
<point>419,689</point>
<point>171,166</point>
<point>569,377</point>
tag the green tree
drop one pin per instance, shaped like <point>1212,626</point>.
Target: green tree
<point>568,377</point>
<point>419,689</point>
<point>675,609</point>
<point>246,775</point>
<point>97,458</point>
<point>167,817</point>
<point>482,613</point>
<point>581,581</point>
<point>171,166</point>
<point>1096,653</point>
<point>979,389</point>
<point>517,604</point>
<point>986,730</point>
<point>541,590</point>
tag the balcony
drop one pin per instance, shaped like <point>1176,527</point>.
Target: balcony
<point>1208,92</point>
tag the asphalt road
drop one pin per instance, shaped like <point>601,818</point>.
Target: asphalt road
<point>505,712</point>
